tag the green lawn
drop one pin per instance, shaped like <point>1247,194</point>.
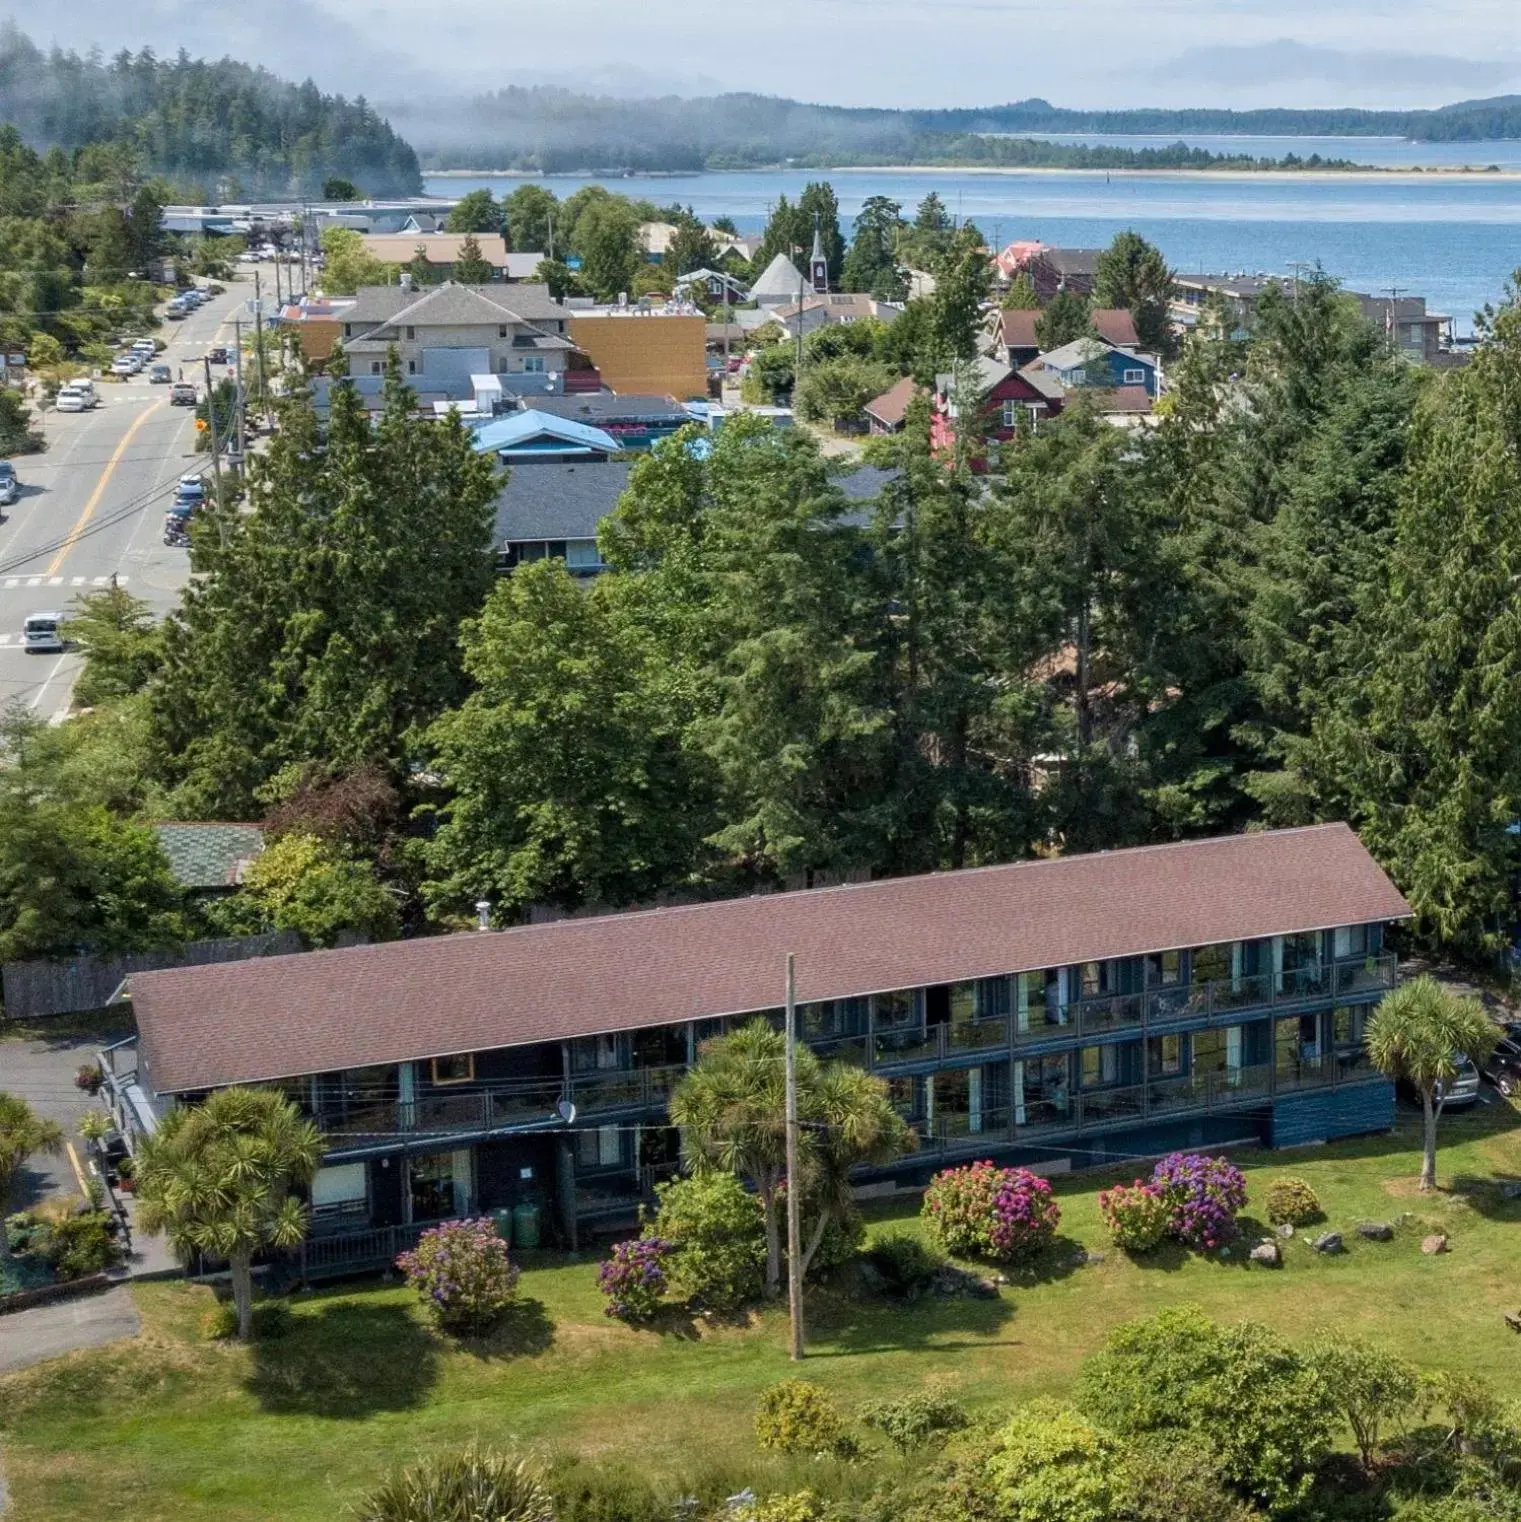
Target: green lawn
<point>170,1427</point>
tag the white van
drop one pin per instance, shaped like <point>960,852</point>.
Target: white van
<point>86,388</point>
<point>41,633</point>
<point>71,399</point>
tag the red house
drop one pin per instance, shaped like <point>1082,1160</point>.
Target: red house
<point>1006,395</point>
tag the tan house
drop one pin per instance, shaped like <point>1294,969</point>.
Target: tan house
<point>446,334</point>
<point>443,250</point>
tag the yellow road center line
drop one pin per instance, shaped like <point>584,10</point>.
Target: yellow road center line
<point>84,1188</point>
<point>100,489</point>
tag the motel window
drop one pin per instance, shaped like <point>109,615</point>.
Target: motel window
<point>601,1147</point>
<point>501,332</point>
<point>534,364</point>
<point>411,367</point>
<point>581,555</point>
<point>457,1069</point>
<point>374,367</point>
<point>1010,413</point>
<point>1164,968</point>
<point>411,332</point>
<point>1135,377</point>
<point>1350,941</point>
<point>1165,1056</point>
<point>1213,964</point>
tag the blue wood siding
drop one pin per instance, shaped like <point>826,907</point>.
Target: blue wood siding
<point>1323,1115</point>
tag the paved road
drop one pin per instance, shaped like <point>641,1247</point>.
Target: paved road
<point>28,1337</point>
<point>93,505</point>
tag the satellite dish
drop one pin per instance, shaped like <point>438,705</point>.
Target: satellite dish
<point>566,1110</point>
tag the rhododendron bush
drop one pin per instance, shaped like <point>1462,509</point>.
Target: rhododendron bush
<point>980,1211</point>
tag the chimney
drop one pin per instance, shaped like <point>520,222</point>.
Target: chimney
<point>483,914</point>
<point>406,280</point>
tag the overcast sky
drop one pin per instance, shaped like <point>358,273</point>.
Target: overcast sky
<point>848,52</point>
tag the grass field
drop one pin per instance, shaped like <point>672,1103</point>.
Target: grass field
<point>168,1426</point>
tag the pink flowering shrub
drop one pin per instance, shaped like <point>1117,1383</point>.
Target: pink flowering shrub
<point>1203,1195</point>
<point>462,1271</point>
<point>633,1278</point>
<point>985,1212</point>
<point>1138,1215</point>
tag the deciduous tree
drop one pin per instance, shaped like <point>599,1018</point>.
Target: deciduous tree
<point>477,212</point>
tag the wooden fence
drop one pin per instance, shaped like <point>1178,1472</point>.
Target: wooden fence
<point>29,990</point>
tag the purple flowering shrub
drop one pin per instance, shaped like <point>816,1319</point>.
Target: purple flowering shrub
<point>980,1211</point>
<point>633,1278</point>
<point>1203,1195</point>
<point>1138,1215</point>
<point>462,1271</point>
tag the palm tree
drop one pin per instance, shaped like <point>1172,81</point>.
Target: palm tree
<point>218,1179</point>
<point>732,1109</point>
<point>461,1486</point>
<point>1418,1033</point>
<point>853,1124</point>
<point>22,1132</point>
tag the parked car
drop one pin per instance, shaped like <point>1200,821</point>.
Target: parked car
<point>126,364</point>
<point>182,394</point>
<point>71,399</point>
<point>10,487</point>
<point>191,486</point>
<point>217,354</point>
<point>144,346</point>
<point>1503,1066</point>
<point>160,375</point>
<point>85,389</point>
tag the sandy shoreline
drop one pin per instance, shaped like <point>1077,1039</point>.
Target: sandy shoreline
<point>1371,175</point>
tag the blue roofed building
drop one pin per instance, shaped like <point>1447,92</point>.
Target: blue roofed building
<point>532,435</point>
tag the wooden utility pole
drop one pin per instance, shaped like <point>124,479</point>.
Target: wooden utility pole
<point>794,1179</point>
<point>211,423</point>
<point>259,351</point>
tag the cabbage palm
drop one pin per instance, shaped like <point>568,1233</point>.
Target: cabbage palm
<point>464,1485</point>
<point>22,1132</point>
<point>1418,1033</point>
<point>217,1178</point>
<point>732,1111</point>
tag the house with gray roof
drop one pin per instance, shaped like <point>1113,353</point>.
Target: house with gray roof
<point>445,334</point>
<point>780,284</point>
<point>549,510</point>
<point>209,857</point>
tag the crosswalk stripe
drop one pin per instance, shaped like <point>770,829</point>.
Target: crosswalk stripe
<point>76,581</point>
<point>13,581</point>
<point>34,581</point>
<point>55,581</point>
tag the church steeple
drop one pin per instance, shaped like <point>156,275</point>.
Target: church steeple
<point>818,264</point>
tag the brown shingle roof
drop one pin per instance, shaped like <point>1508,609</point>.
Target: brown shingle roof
<point>279,1017</point>
<point>1114,325</point>
<point>891,407</point>
<point>1019,329</point>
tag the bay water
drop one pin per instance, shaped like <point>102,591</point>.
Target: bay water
<point>1454,238</point>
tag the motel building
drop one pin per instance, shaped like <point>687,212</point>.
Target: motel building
<point>1059,1013</point>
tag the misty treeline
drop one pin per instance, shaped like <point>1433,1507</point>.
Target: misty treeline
<point>220,131</point>
<point>556,130</point>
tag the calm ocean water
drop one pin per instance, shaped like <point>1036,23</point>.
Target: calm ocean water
<point>1453,239</point>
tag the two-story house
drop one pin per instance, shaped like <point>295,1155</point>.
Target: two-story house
<point>1007,398</point>
<point>1091,362</point>
<point>446,334</point>
<point>1060,1013</point>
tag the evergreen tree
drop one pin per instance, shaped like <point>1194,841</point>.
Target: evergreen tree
<point>471,268</point>
<point>322,628</point>
<point>420,267</point>
<point>962,285</point>
<point>691,247</point>
<point>1021,295</point>
<point>1132,274</point>
<point>1068,316</point>
<point>819,208</point>
<point>1419,745</point>
<point>872,263</point>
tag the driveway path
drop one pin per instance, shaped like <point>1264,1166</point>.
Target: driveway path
<point>28,1337</point>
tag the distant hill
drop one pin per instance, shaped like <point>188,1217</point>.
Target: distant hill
<point>552,130</point>
<point>233,130</point>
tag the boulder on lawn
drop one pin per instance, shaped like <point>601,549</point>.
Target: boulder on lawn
<point>1376,1231</point>
<point>1286,1230</point>
<point>1269,1254</point>
<point>1328,1242</point>
<point>1434,1244</point>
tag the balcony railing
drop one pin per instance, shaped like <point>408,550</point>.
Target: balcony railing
<point>1100,1109</point>
<point>503,1106</point>
<point>1118,1014</point>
